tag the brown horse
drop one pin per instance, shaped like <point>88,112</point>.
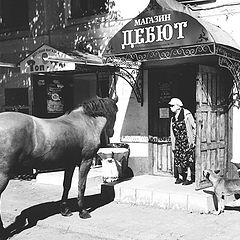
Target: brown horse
<point>64,142</point>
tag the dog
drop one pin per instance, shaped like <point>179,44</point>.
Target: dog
<point>222,187</point>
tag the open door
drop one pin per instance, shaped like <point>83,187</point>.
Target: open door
<point>212,93</point>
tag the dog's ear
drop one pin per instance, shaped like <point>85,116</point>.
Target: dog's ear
<point>206,171</point>
<point>217,171</point>
<point>206,174</point>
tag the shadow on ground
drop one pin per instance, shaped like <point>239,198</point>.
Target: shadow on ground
<point>215,201</point>
<point>30,216</point>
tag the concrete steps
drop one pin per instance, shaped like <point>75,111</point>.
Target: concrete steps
<point>161,192</point>
<point>145,190</point>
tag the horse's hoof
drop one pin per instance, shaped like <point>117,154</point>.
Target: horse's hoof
<point>66,212</point>
<point>84,214</point>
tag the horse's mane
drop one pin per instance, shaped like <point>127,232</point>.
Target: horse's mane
<point>99,107</point>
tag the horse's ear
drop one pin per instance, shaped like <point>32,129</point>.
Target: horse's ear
<point>115,98</point>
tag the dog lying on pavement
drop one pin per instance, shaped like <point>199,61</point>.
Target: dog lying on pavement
<point>222,187</point>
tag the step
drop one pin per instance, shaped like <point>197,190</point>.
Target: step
<point>160,192</point>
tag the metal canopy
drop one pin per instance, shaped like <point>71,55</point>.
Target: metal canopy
<point>48,59</point>
<point>166,30</point>
<point>165,25</point>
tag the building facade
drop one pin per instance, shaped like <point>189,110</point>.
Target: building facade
<point>155,50</point>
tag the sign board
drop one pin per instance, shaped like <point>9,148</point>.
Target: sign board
<point>138,139</point>
<point>157,28</point>
<point>38,61</point>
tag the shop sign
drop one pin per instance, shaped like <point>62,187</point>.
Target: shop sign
<point>165,31</point>
<point>158,28</point>
<point>38,61</point>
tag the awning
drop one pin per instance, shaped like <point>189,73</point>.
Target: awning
<point>167,29</point>
<point>48,59</point>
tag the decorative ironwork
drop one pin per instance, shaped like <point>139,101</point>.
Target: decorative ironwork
<point>135,78</point>
<point>234,67</point>
<point>122,62</point>
<point>229,58</point>
<point>130,71</point>
<point>129,64</point>
<point>227,52</point>
<point>167,53</point>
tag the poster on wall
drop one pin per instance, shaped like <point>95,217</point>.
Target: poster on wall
<point>55,103</point>
<point>164,92</point>
<point>164,113</point>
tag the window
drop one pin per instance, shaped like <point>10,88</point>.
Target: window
<point>83,8</point>
<point>13,15</point>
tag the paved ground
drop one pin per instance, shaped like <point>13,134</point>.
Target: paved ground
<point>109,221</point>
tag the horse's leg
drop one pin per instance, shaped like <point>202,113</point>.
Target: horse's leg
<point>82,179</point>
<point>68,174</point>
<point>3,183</point>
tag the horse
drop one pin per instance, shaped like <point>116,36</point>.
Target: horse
<point>65,142</point>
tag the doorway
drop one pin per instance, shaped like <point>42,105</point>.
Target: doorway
<point>165,83</point>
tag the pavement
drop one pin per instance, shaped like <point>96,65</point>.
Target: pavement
<point>147,190</point>
<point>122,210</point>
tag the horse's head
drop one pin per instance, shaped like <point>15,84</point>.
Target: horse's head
<point>103,107</point>
<point>109,127</point>
<point>111,118</point>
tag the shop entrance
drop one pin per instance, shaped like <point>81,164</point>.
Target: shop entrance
<point>165,83</point>
<point>207,92</point>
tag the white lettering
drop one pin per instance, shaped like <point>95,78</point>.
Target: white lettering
<point>167,32</point>
<point>127,39</point>
<point>159,33</point>
<point>180,26</point>
<point>151,20</point>
<point>139,37</point>
<point>167,17</point>
<point>156,19</point>
<point>137,22</point>
<point>150,35</point>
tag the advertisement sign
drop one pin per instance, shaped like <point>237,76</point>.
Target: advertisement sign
<point>55,101</point>
<point>38,61</point>
<point>158,28</point>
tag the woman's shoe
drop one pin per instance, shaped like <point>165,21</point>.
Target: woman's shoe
<point>178,181</point>
<point>187,182</point>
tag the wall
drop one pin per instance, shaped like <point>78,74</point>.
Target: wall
<point>224,14</point>
<point>131,125</point>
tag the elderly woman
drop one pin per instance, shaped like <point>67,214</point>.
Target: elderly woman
<point>183,133</point>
